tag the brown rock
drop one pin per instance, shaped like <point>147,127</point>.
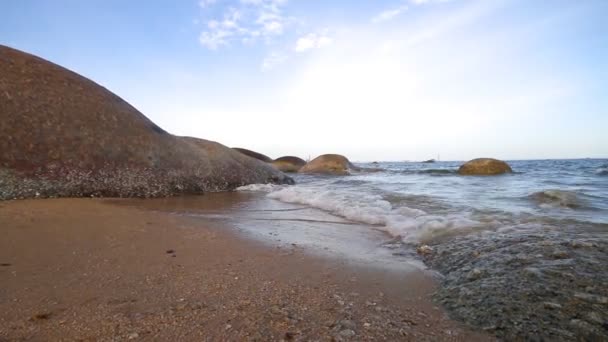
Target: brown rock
<point>64,135</point>
<point>253,154</point>
<point>289,163</point>
<point>484,166</point>
<point>334,164</point>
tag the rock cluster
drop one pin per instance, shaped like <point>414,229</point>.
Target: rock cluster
<point>64,135</point>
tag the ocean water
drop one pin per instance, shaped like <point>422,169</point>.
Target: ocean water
<point>520,255</point>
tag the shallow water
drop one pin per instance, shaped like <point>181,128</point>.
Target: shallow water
<point>521,255</point>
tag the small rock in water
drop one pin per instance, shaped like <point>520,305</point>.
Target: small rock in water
<point>581,244</point>
<point>424,250</point>
<point>550,305</point>
<point>560,255</point>
<point>532,272</point>
<point>133,336</point>
<point>591,298</point>
<point>595,317</point>
<point>581,325</point>
<point>474,274</point>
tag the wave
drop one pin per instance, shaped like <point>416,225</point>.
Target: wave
<point>557,198</point>
<point>432,172</point>
<point>412,225</point>
<point>602,171</point>
<point>259,187</point>
<point>438,172</point>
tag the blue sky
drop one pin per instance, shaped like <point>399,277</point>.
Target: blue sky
<point>374,80</point>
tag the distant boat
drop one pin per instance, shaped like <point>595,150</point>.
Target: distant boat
<point>429,161</point>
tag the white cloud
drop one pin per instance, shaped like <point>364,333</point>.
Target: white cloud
<point>206,3</point>
<point>389,14</point>
<point>215,39</point>
<point>247,22</point>
<point>312,41</point>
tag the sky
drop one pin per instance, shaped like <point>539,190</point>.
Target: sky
<point>373,80</point>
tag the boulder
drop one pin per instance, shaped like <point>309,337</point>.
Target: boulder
<point>253,154</point>
<point>64,135</point>
<point>289,164</point>
<point>484,166</point>
<point>334,164</point>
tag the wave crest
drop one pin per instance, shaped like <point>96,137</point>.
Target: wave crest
<point>602,171</point>
<point>412,225</point>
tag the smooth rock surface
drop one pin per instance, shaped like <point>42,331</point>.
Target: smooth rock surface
<point>289,163</point>
<point>64,135</point>
<point>334,164</point>
<point>484,166</point>
<point>253,154</point>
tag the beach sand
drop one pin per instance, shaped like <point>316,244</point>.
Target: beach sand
<point>93,269</point>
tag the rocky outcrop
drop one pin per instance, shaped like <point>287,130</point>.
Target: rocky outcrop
<point>253,154</point>
<point>333,164</point>
<point>289,164</point>
<point>64,135</point>
<point>484,166</point>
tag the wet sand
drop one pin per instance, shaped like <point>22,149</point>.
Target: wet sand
<point>90,269</point>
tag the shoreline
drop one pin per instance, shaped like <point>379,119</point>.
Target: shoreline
<point>96,270</point>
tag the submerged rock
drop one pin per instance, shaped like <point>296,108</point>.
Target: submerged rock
<point>334,164</point>
<point>424,250</point>
<point>253,154</point>
<point>484,166</point>
<point>64,135</point>
<point>289,164</point>
<point>558,198</point>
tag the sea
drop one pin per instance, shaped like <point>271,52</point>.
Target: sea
<point>521,255</point>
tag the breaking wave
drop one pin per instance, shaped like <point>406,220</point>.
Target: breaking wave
<point>412,225</point>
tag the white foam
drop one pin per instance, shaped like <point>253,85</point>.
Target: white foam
<point>602,171</point>
<point>259,187</point>
<point>412,225</point>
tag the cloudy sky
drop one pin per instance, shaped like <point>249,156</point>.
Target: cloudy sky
<point>374,80</point>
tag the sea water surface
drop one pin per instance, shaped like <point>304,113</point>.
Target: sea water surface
<point>520,255</point>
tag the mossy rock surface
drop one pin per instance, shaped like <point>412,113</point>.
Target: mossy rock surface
<point>484,167</point>
<point>333,164</point>
<point>289,164</point>
<point>62,134</point>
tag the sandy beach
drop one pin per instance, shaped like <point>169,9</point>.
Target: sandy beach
<point>91,269</point>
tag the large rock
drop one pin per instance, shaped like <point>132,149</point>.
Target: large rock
<point>334,164</point>
<point>484,166</point>
<point>289,163</point>
<point>64,135</point>
<point>253,154</point>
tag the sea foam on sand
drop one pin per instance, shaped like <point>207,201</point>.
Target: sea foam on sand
<point>412,225</point>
